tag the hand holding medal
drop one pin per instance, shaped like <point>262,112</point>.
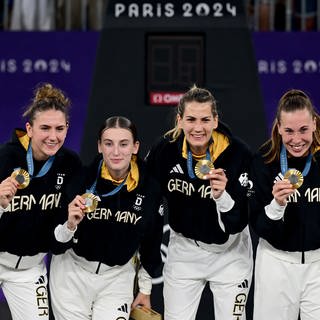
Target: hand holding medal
<point>295,177</point>
<point>282,190</point>
<point>8,189</point>
<point>22,177</point>
<point>203,168</point>
<point>91,202</point>
<point>218,181</point>
<point>78,208</point>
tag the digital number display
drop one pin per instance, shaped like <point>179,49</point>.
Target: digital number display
<point>174,64</point>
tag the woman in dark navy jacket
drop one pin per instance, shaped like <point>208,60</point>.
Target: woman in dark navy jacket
<point>98,271</point>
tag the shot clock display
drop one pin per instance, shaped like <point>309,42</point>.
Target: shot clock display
<point>174,63</point>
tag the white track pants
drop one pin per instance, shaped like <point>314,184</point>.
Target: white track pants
<point>26,292</point>
<point>79,294</point>
<point>283,288</point>
<point>188,268</point>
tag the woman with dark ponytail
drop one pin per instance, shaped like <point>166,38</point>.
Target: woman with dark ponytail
<point>113,221</point>
<point>285,209</point>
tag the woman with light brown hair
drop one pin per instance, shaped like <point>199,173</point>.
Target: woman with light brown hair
<point>35,173</point>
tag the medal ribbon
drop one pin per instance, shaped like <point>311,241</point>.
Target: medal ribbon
<point>45,168</point>
<point>189,163</point>
<point>92,189</point>
<point>284,162</point>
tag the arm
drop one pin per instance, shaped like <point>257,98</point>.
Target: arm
<point>8,185</point>
<point>150,254</point>
<point>229,190</point>
<point>268,202</point>
<point>74,180</point>
<point>8,189</point>
<point>74,184</point>
<point>65,232</point>
<point>145,286</point>
<point>141,300</point>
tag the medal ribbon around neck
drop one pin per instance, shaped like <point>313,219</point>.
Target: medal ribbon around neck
<point>45,168</point>
<point>284,162</point>
<point>189,163</point>
<point>92,189</point>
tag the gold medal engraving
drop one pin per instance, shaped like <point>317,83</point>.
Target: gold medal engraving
<point>22,177</point>
<point>295,177</point>
<point>91,202</point>
<point>202,168</point>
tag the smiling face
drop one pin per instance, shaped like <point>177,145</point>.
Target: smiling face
<point>47,133</point>
<point>197,124</point>
<point>296,129</point>
<point>117,147</point>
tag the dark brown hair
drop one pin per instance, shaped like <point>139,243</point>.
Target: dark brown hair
<point>291,101</point>
<point>118,122</point>
<point>47,97</point>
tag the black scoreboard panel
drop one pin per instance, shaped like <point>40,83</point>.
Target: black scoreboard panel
<point>151,52</point>
<point>174,62</point>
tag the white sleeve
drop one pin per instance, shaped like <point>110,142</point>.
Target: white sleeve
<point>274,210</point>
<point>62,233</point>
<point>2,210</point>
<point>144,281</point>
<point>224,203</point>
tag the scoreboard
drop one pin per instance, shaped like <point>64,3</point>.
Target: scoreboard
<point>174,60</point>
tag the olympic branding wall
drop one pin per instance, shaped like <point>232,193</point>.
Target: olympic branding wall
<point>65,59</point>
<point>287,60</point>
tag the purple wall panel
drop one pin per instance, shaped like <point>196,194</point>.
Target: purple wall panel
<point>287,60</point>
<point>64,58</point>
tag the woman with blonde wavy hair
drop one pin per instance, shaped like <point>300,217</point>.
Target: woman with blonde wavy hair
<point>203,169</point>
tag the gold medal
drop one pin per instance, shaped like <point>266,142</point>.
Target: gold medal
<point>295,177</point>
<point>22,177</point>
<point>202,168</point>
<point>91,202</point>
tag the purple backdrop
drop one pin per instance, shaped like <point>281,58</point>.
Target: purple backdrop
<point>64,58</point>
<point>285,61</point>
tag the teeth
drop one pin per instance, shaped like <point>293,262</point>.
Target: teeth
<point>297,148</point>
